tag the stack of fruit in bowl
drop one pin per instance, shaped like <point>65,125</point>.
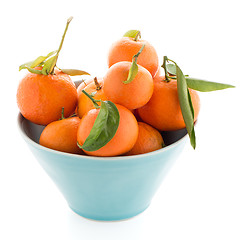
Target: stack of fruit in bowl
<point>122,113</point>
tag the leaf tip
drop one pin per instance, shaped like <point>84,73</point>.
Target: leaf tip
<point>80,146</point>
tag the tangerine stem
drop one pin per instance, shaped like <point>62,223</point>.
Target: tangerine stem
<point>60,46</point>
<point>84,82</point>
<point>136,55</point>
<point>98,86</point>
<point>62,114</point>
<point>138,35</point>
<point>93,100</point>
<point>164,66</point>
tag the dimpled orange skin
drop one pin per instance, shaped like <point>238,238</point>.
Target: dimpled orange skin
<point>61,135</point>
<point>149,139</point>
<point>40,98</point>
<point>123,140</point>
<point>125,48</point>
<point>132,95</point>
<point>84,103</point>
<point>163,110</point>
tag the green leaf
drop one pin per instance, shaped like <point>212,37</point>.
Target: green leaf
<point>104,128</point>
<point>193,139</point>
<point>31,64</point>
<point>49,65</point>
<point>51,53</point>
<point>133,34</point>
<point>198,84</point>
<point>37,62</point>
<point>134,67</point>
<point>190,103</point>
<point>33,70</point>
<point>132,72</point>
<point>186,105</point>
<point>74,72</point>
<point>171,69</point>
<point>206,86</point>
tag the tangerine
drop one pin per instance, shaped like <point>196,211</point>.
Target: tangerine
<point>83,84</point>
<point>149,139</point>
<point>163,109</point>
<point>123,140</point>
<point>95,89</point>
<point>40,98</point>
<point>61,135</point>
<point>126,47</point>
<point>131,95</point>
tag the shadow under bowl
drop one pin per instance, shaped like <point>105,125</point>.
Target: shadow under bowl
<point>105,188</point>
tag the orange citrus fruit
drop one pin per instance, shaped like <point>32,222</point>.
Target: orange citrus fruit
<point>95,89</point>
<point>41,98</point>
<point>131,95</point>
<point>149,139</point>
<point>126,47</point>
<point>123,140</point>
<point>61,135</point>
<point>163,109</point>
<point>83,84</point>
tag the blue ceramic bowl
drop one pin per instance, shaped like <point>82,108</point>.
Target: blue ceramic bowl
<point>105,188</point>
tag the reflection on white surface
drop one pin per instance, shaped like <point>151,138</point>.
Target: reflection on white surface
<point>82,228</point>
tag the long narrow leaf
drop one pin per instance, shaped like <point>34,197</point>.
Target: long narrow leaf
<point>186,105</point>
<point>190,103</point>
<point>74,72</point>
<point>206,86</point>
<point>33,70</point>
<point>199,84</point>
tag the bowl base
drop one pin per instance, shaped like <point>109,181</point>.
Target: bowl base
<point>109,218</point>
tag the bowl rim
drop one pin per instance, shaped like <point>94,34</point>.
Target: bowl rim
<point>95,158</point>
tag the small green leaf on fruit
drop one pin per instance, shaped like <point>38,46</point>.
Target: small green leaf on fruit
<point>133,34</point>
<point>104,127</point>
<point>132,73</point>
<point>134,67</point>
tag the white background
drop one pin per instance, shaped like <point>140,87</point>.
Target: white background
<point>200,198</point>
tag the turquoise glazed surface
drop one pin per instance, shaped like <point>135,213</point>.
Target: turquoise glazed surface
<point>110,188</point>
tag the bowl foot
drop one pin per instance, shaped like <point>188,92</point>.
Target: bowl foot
<point>109,218</point>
